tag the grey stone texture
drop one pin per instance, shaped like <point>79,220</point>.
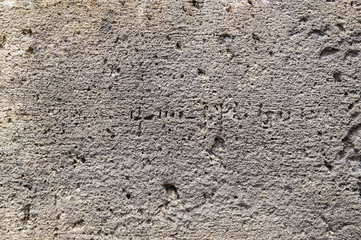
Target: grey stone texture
<point>170,119</point>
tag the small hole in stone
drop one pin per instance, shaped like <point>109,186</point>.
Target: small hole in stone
<point>200,71</point>
<point>27,31</point>
<point>195,4</point>
<point>304,19</point>
<point>328,165</point>
<point>340,27</point>
<point>350,106</point>
<point>128,195</point>
<point>171,190</point>
<point>30,50</point>
<point>328,51</point>
<point>337,76</point>
<point>82,159</point>
<point>219,142</point>
<point>255,37</point>
<point>229,9</point>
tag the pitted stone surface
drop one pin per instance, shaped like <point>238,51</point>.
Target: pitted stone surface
<point>220,119</point>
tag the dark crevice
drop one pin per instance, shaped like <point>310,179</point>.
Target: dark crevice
<point>328,165</point>
<point>78,223</point>
<point>218,142</point>
<point>2,41</point>
<point>171,190</point>
<point>304,19</point>
<point>225,37</point>
<point>196,4</point>
<point>178,46</point>
<point>27,31</point>
<point>149,117</point>
<point>317,32</point>
<point>30,50</point>
<point>256,37</point>
<point>337,76</point>
<point>200,71</point>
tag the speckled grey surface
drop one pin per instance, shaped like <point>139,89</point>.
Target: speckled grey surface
<point>220,119</point>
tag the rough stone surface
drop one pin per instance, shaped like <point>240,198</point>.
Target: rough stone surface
<point>219,119</point>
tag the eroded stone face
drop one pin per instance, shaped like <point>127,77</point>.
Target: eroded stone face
<point>351,152</point>
<point>180,119</point>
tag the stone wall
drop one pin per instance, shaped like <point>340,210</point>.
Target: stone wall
<point>171,119</point>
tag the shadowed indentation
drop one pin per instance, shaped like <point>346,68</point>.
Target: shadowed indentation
<point>328,51</point>
<point>171,191</point>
